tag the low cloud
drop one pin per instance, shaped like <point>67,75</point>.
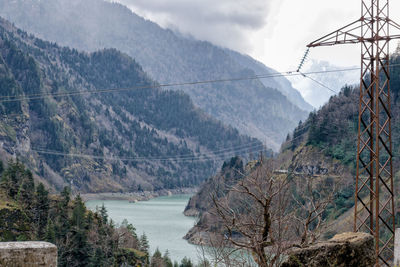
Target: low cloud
<point>314,93</point>
<point>224,22</point>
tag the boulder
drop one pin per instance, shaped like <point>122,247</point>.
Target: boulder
<point>347,249</point>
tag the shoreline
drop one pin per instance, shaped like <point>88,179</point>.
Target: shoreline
<point>137,196</point>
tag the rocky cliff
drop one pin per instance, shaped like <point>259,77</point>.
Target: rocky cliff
<point>61,115</point>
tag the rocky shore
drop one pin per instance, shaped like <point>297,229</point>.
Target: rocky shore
<point>137,196</point>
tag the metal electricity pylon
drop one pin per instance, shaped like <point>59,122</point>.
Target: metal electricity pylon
<point>374,202</point>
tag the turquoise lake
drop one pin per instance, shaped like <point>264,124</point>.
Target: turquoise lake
<point>160,218</point>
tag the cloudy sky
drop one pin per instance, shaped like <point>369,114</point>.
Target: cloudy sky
<point>274,32</point>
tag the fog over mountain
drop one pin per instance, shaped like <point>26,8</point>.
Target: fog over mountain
<point>146,138</point>
<point>266,109</point>
<point>318,95</point>
<point>228,23</point>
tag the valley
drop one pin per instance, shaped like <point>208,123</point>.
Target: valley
<point>127,143</point>
<point>263,108</point>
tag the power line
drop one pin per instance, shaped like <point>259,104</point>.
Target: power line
<point>9,98</point>
<point>318,82</point>
<point>305,125</point>
<point>209,155</point>
<point>202,157</point>
<point>248,146</point>
<point>181,157</point>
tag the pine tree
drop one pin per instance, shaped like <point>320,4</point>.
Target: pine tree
<point>167,259</point>
<point>18,182</point>
<point>78,219</point>
<point>50,235</point>
<point>157,260</point>
<point>78,250</point>
<point>130,227</point>
<point>103,213</point>
<point>144,243</point>
<point>98,259</point>
<point>63,225</point>
<point>1,167</point>
<point>186,262</point>
<point>41,210</point>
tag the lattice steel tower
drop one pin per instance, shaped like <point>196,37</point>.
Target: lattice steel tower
<point>374,202</point>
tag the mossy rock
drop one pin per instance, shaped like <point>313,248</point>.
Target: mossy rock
<point>347,249</point>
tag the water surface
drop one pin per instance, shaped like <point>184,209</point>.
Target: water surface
<point>160,218</point>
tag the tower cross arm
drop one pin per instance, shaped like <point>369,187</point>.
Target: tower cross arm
<point>352,34</point>
<point>345,35</point>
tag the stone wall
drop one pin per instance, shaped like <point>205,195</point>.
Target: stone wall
<point>28,254</point>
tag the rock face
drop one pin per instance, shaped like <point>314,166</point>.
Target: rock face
<point>347,249</point>
<point>28,254</point>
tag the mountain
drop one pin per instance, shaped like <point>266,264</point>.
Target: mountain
<point>281,83</point>
<point>61,116</point>
<point>332,131</point>
<point>266,109</point>
<point>322,147</point>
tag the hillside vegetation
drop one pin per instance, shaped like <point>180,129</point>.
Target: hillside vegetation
<point>322,148</point>
<point>267,108</point>
<point>127,140</point>
<point>83,237</point>
<point>332,131</point>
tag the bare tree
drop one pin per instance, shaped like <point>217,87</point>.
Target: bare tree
<point>219,252</point>
<point>267,213</point>
<point>311,199</point>
<point>253,214</point>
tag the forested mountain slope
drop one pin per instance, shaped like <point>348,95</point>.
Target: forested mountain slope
<point>83,237</point>
<point>267,109</point>
<point>332,130</point>
<point>145,138</point>
<point>323,148</point>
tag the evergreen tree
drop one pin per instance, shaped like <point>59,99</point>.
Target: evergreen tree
<point>78,249</point>
<point>78,214</point>
<point>186,262</point>
<point>41,210</point>
<point>50,235</point>
<point>18,182</point>
<point>63,225</point>
<point>83,238</point>
<point>167,259</point>
<point>98,259</point>
<point>130,227</point>
<point>27,188</point>
<point>1,167</point>
<point>157,260</point>
<point>103,213</point>
<point>144,243</point>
